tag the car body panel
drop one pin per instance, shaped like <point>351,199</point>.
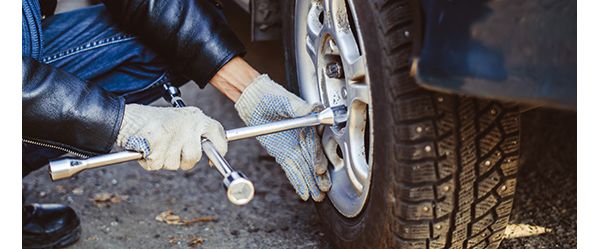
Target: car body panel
<point>503,49</point>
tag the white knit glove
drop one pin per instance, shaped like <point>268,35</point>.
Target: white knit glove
<point>298,151</point>
<point>169,138</point>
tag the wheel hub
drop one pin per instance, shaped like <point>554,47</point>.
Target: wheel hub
<point>328,53</point>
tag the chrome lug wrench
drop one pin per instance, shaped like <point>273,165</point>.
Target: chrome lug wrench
<point>239,190</point>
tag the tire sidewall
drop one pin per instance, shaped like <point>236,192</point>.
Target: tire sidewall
<point>366,229</point>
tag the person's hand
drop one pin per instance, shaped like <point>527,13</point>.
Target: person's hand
<point>298,151</point>
<point>169,138</point>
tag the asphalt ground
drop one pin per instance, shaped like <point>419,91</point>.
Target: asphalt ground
<point>118,205</point>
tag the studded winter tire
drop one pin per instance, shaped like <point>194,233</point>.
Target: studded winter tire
<point>440,168</point>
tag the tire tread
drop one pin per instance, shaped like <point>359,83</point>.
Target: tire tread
<point>455,177</point>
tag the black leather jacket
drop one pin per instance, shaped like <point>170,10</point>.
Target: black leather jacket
<point>60,110</point>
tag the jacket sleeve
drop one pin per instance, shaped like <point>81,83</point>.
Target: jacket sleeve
<point>62,110</point>
<point>191,34</point>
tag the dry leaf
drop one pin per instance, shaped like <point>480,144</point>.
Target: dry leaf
<point>102,197</point>
<point>105,199</point>
<point>60,189</point>
<point>115,199</point>
<point>173,240</point>
<point>169,217</point>
<point>78,191</point>
<point>524,230</point>
<point>200,219</point>
<point>172,219</point>
<point>195,241</point>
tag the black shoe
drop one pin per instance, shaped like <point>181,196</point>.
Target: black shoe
<point>49,226</point>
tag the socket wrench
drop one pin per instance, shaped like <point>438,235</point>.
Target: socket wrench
<point>67,167</point>
<point>239,190</point>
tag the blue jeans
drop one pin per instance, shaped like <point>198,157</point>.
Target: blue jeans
<point>86,43</point>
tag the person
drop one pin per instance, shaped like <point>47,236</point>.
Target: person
<point>89,74</point>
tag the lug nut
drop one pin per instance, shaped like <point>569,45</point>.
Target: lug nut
<point>334,70</point>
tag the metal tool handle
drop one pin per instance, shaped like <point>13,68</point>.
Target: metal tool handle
<point>239,189</point>
<point>67,167</point>
<point>173,95</point>
<point>325,117</point>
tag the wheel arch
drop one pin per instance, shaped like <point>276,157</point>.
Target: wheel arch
<point>506,50</point>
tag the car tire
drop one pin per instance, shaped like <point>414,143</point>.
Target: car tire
<point>444,166</point>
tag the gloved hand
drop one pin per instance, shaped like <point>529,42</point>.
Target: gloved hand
<point>169,138</point>
<point>298,151</point>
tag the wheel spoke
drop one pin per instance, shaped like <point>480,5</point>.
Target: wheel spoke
<point>312,51</point>
<point>353,157</point>
<point>314,29</point>
<point>353,174</point>
<point>330,146</point>
<point>354,137</point>
<point>313,24</point>
<point>337,24</point>
<point>355,70</point>
<point>358,92</point>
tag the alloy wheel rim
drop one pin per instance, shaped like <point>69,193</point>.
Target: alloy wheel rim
<point>332,70</point>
